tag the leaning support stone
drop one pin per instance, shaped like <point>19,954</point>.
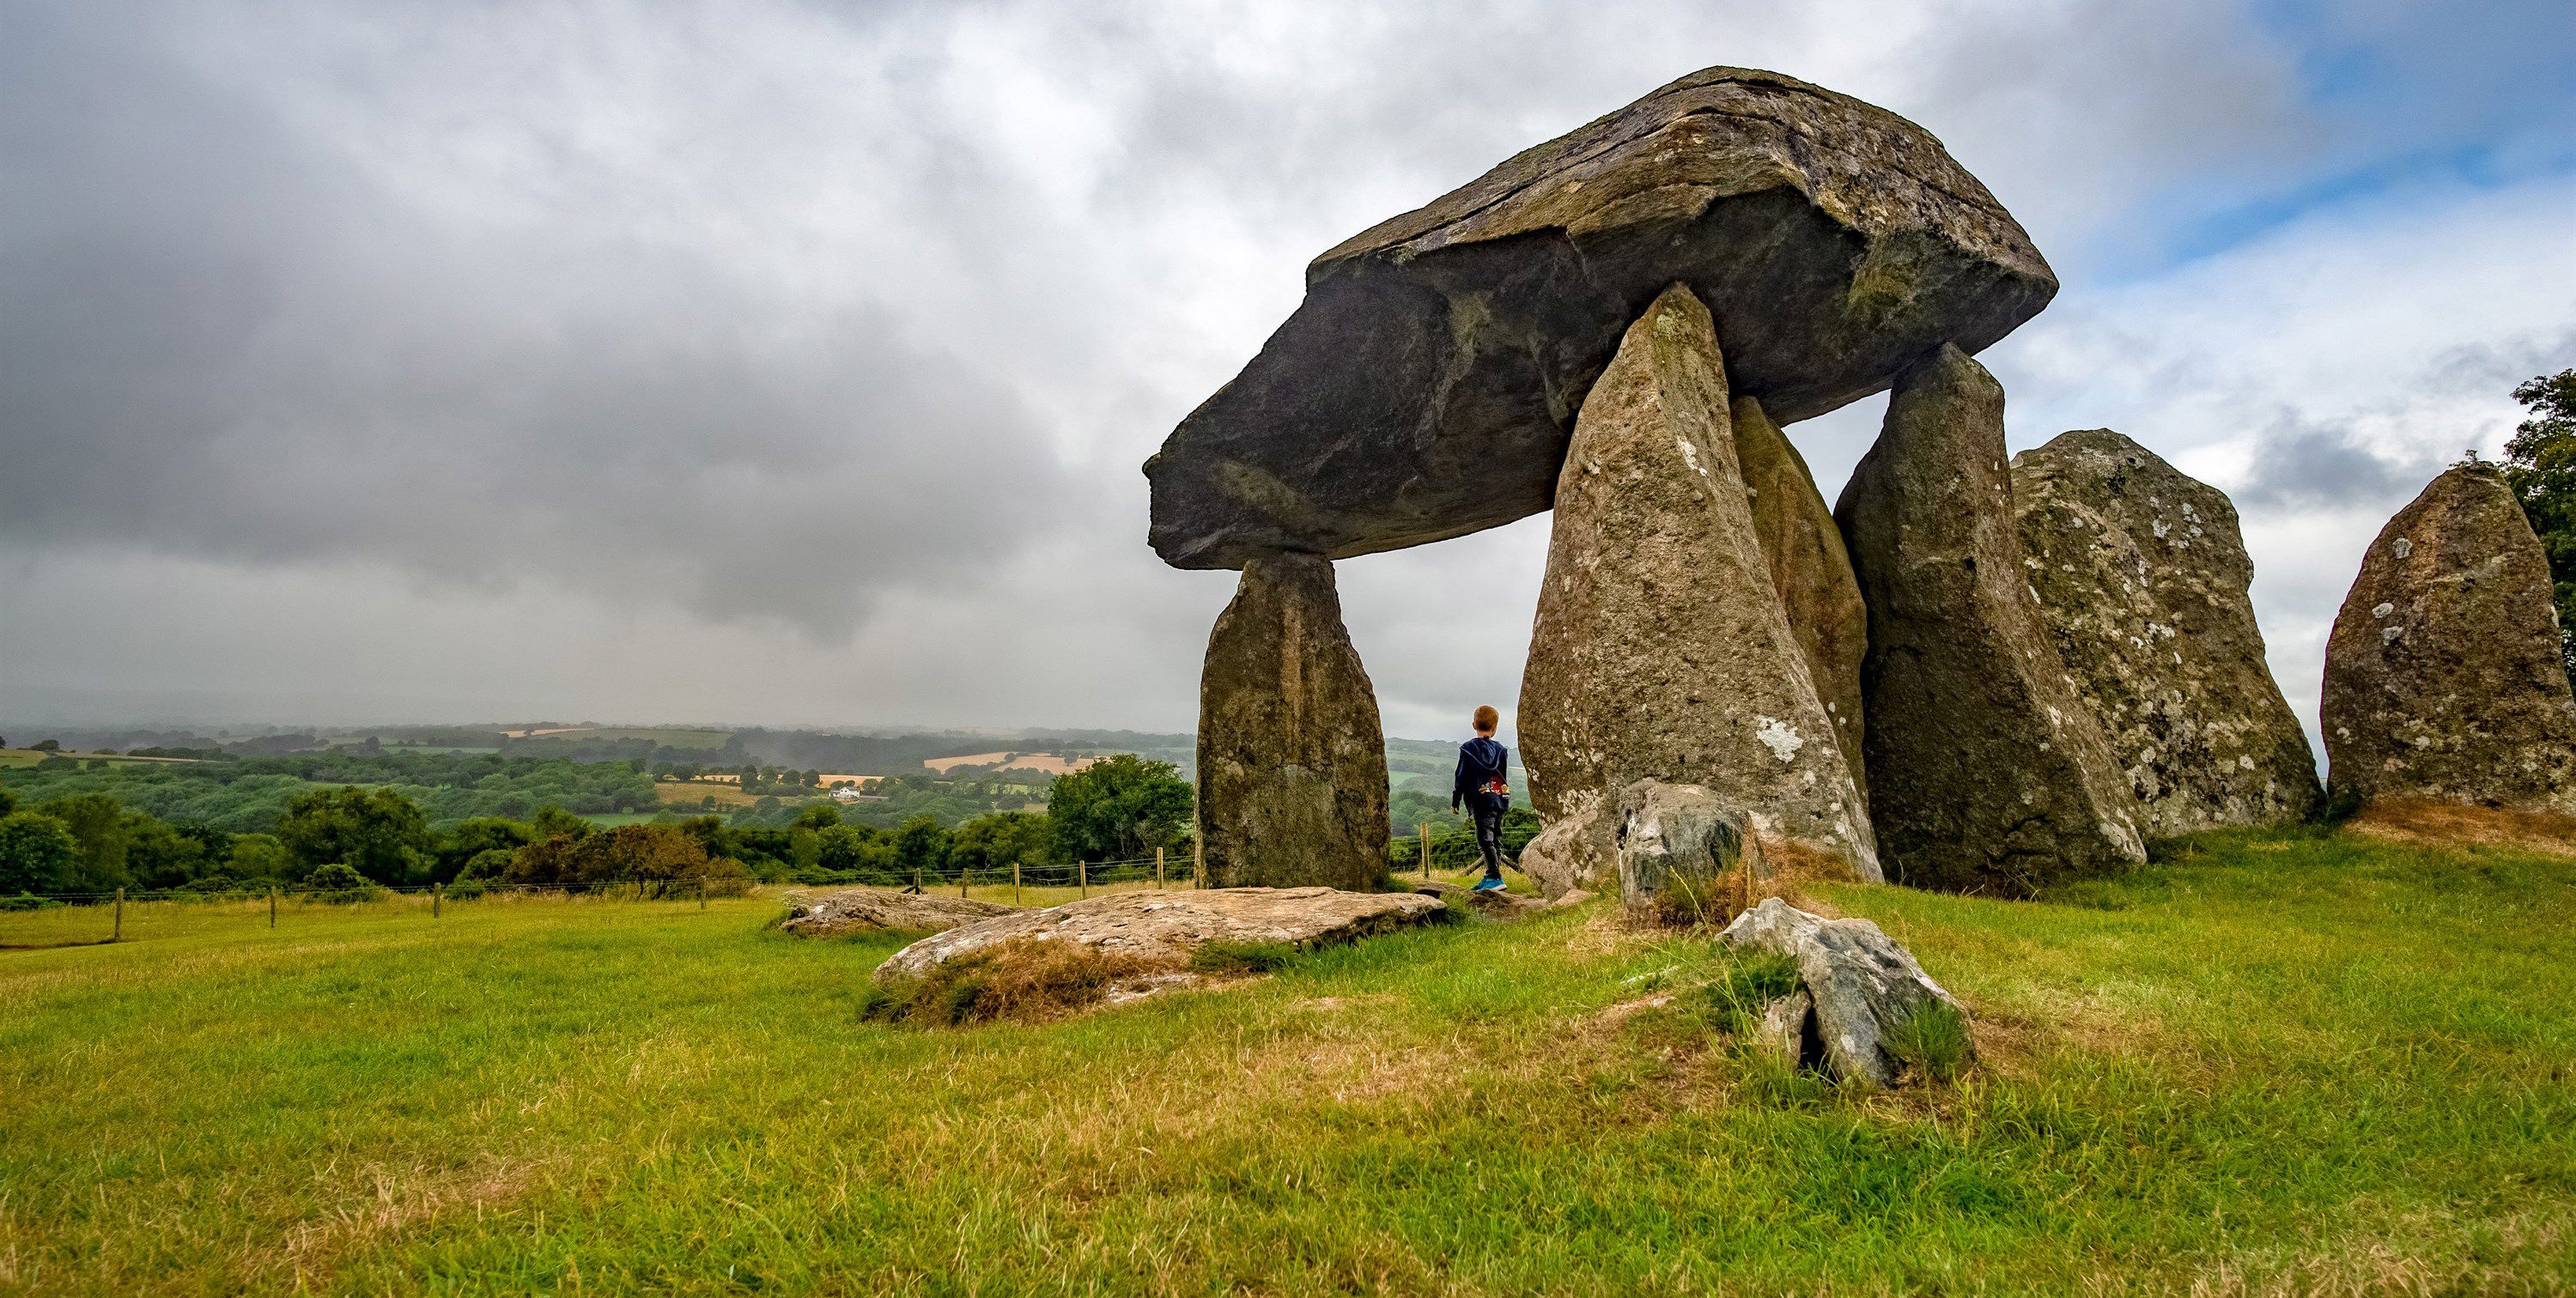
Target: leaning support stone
<point>1986,774</point>
<point>1810,569</point>
<point>1292,784</point>
<point>1661,650</point>
<point>2443,675</point>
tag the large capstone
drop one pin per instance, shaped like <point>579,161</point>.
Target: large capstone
<point>1809,568</point>
<point>2142,576</point>
<point>1428,385</point>
<point>1292,763</point>
<point>2443,674</point>
<point>1660,649</point>
<point>1986,773</point>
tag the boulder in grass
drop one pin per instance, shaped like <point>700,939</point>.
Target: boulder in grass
<point>1160,930</point>
<point>1677,846</point>
<point>1869,1012</point>
<point>874,910</point>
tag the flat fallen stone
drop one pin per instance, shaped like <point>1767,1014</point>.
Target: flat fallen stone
<point>2443,675</point>
<point>2142,575</point>
<point>1857,981</point>
<point>1427,386</point>
<point>1493,904</point>
<point>864,910</point>
<point>1165,927</point>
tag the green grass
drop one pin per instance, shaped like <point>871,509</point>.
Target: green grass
<point>2287,1063</point>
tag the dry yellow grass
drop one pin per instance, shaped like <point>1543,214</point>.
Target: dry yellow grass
<point>2446,824</point>
<point>1051,763</point>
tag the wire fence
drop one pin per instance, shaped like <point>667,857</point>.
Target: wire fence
<point>1419,855</point>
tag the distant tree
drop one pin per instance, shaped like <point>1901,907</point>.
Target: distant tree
<point>478,836</point>
<point>2540,463</point>
<point>377,832</point>
<point>8,800</point>
<point>260,856</point>
<point>1002,838</point>
<point>49,745</point>
<point>98,822</point>
<point>555,822</point>
<point>159,856</point>
<point>920,844</point>
<point>36,853</point>
<point>1121,807</point>
<point>855,849</point>
<point>822,815</point>
<point>336,881</point>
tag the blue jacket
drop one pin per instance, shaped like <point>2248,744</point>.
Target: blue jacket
<point>1480,761</point>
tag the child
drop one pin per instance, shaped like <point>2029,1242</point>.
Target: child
<point>1482,788</point>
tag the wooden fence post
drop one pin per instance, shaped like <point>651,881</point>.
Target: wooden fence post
<point>1158,867</point>
<point>1198,863</point>
<point>1425,828</point>
<point>437,891</point>
<point>119,934</point>
<point>963,870</point>
<point>1015,883</point>
<point>272,905</point>
<point>1082,869</point>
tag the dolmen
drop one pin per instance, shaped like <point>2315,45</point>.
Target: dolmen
<point>1616,325</point>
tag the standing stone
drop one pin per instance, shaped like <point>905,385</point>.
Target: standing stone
<point>1660,649</point>
<point>2142,576</point>
<point>2443,675</point>
<point>1809,568</point>
<point>1427,385</point>
<point>1292,764</point>
<point>1986,773</point>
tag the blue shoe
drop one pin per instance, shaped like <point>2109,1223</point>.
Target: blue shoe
<point>1488,885</point>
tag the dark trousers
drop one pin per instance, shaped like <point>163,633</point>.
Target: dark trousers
<point>1488,811</point>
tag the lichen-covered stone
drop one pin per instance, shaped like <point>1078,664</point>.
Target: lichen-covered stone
<point>1163,928</point>
<point>2443,675</point>
<point>874,910</point>
<point>1855,986</point>
<point>2142,576</point>
<point>1986,774</point>
<point>1292,784</point>
<point>1675,844</point>
<point>1810,569</point>
<point>1428,385</point>
<point>1660,649</point>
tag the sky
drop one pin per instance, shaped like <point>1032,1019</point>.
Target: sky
<point>792,364</point>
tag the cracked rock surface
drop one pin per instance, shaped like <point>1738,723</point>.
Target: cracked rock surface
<point>1428,384</point>
<point>2142,576</point>
<point>1854,984</point>
<point>2443,675</point>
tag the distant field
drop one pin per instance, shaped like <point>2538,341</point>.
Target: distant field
<point>1050,763</point>
<point>667,737</point>
<point>2291,1063</point>
<point>29,757</point>
<point>614,818</point>
<point>691,793</point>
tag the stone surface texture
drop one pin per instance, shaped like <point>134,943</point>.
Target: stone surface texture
<point>1164,927</point>
<point>1809,568</point>
<point>1428,385</point>
<point>2443,677</point>
<point>866,910</point>
<point>1676,842</point>
<point>1986,773</point>
<point>1292,786</point>
<point>1573,851</point>
<point>2142,576</point>
<point>1858,982</point>
<point>1660,648</point>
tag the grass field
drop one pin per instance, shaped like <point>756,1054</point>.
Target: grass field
<point>29,757</point>
<point>2288,1063</point>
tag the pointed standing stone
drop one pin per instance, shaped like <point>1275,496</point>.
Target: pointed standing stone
<point>1809,568</point>
<point>2443,675</point>
<point>1660,649</point>
<point>2143,577</point>
<point>1292,764</point>
<point>1985,771</point>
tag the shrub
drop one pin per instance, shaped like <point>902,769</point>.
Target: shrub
<point>339,882</point>
<point>465,890</point>
<point>1028,979</point>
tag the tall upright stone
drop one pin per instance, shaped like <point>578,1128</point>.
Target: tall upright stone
<point>1986,773</point>
<point>2443,674</point>
<point>1660,648</point>
<point>1809,568</point>
<point>1292,786</point>
<point>2142,576</point>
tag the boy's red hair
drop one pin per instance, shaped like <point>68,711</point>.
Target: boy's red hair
<point>1487,719</point>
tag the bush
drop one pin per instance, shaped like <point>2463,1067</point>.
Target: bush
<point>464,890</point>
<point>27,901</point>
<point>339,882</point>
